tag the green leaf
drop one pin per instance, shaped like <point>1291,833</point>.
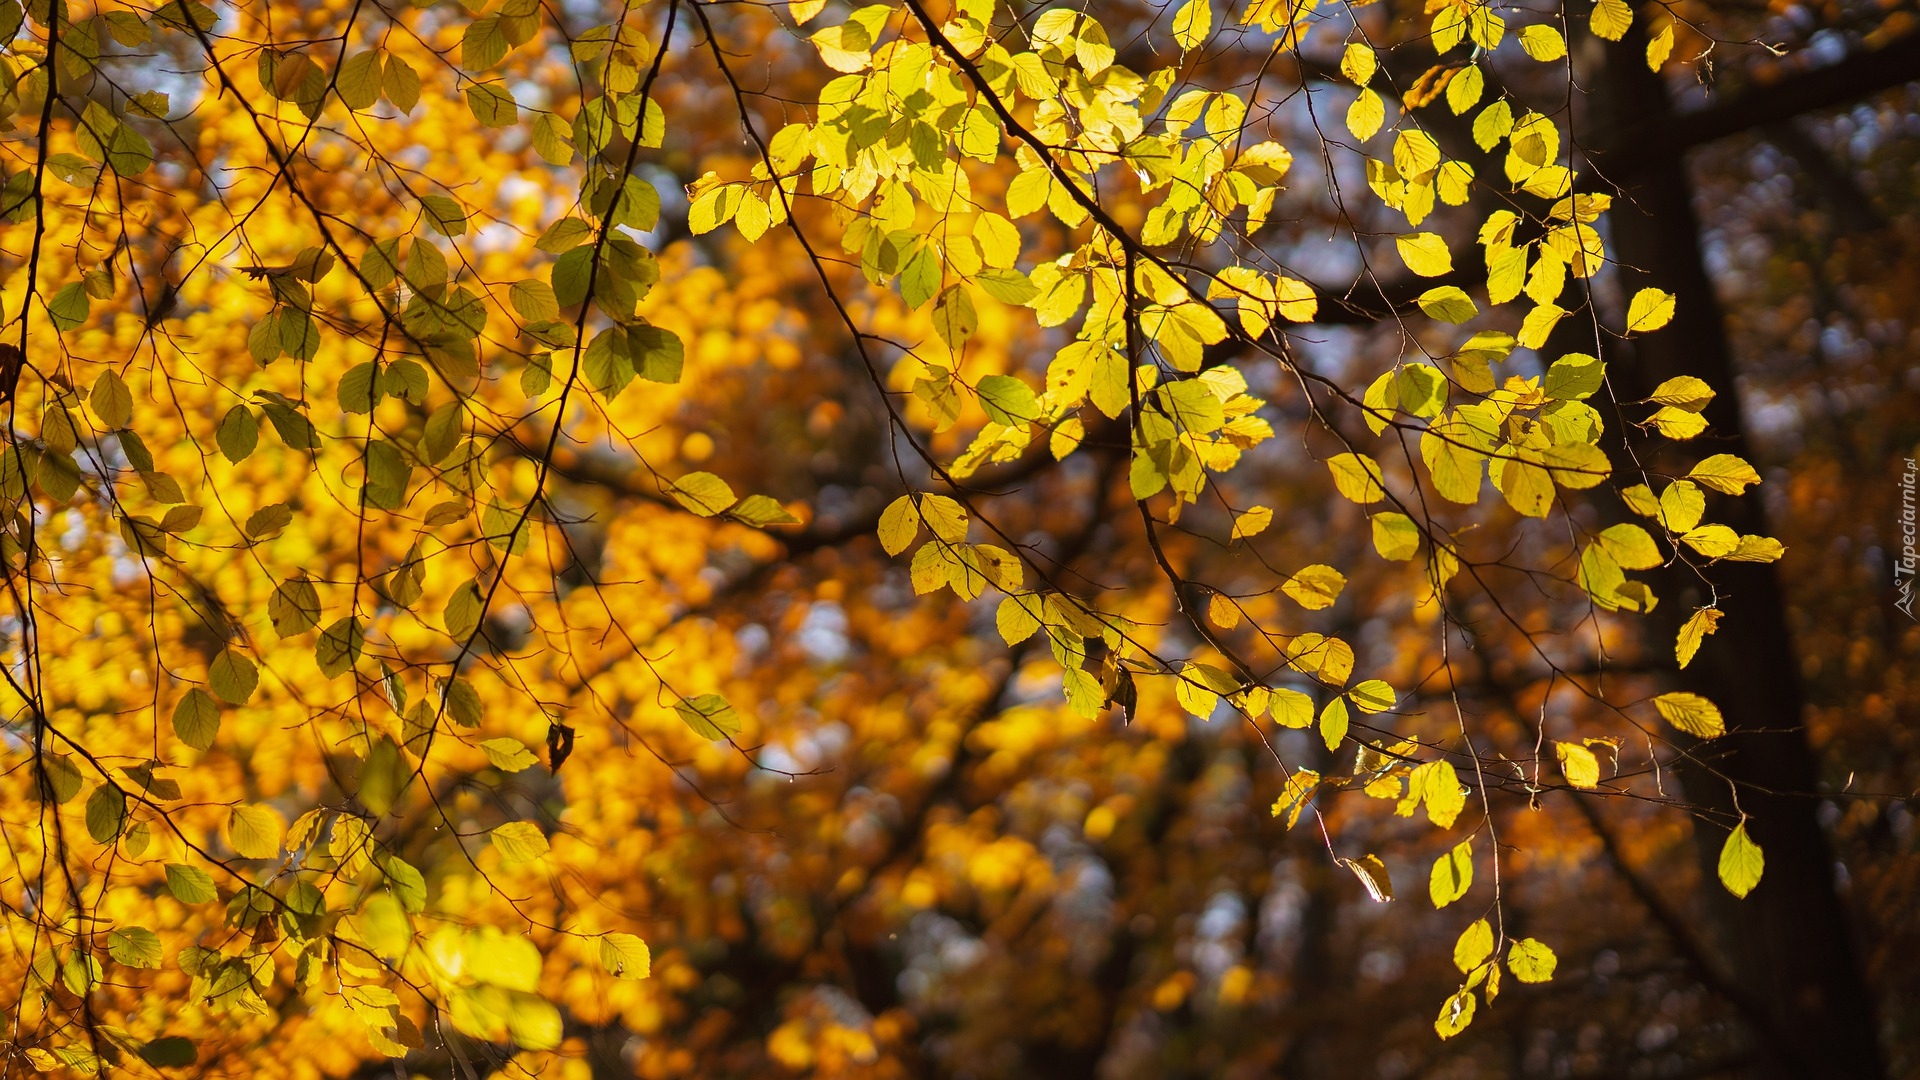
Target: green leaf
<point>444,215</point>
<point>409,886</point>
<point>1741,862</point>
<point>62,776</point>
<point>190,884</point>
<point>339,647</point>
<point>358,80</point>
<point>111,401</point>
<point>625,956</point>
<point>709,715</point>
<point>570,273</point>
<point>68,308</point>
<point>294,607</point>
<point>520,842</point>
<point>171,1052</point>
<point>233,677</point>
<point>657,354</point>
<point>268,520</point>
<point>106,813</point>
<point>534,300</point>
<point>492,106</point>
<point>553,139</point>
<point>954,317</point>
<point>136,946</point>
<point>1008,400</point>
<point>462,613</point>
<point>237,434</point>
<point>196,719</point>
<point>483,44</point>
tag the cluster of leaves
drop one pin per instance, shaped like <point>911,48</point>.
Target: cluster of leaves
<point>422,387</point>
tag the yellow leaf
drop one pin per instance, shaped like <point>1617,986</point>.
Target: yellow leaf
<point>1223,612</point>
<point>1692,714</point>
<point>1291,708</point>
<point>519,842</point>
<point>1630,546</point>
<point>1372,874</point>
<point>1578,764</point>
<point>1660,47</point>
<point>1543,42</point>
<point>1373,696</point>
<point>1252,522</point>
<point>1333,723</point>
<point>1538,324</point>
<point>1357,477</point>
<point>1725,473</point>
<point>1358,63</point>
<point>1297,796</point>
<point>1455,1014</point>
<point>1015,618</point>
<point>1531,961</point>
<point>1316,587</point>
<point>1650,310</point>
<point>625,956</point>
<point>1702,622</point>
<point>1611,19</point>
<point>1741,862</point>
<point>1437,785</point>
<point>1448,303</point>
<point>255,831</point>
<point>1365,115</point>
<point>1192,23</point>
<point>703,493</point>
<point>899,524</point>
<point>1465,88</point>
<point>1681,506</point>
<point>508,755</point>
<point>945,516</point>
<point>1757,549</point>
<point>1425,254</point>
<point>1452,875</point>
<point>1395,536</point>
<point>1473,946</point>
<point>1713,541</point>
<point>804,10</point>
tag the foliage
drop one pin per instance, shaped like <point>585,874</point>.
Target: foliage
<point>354,342</point>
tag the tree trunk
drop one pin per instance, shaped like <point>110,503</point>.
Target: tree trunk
<point>1788,941</point>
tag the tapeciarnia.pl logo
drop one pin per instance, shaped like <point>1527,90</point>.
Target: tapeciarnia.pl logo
<point>1903,567</point>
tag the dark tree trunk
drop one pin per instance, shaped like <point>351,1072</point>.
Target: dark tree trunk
<point>1788,942</point>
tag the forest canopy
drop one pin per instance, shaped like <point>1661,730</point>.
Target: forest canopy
<point>974,538</point>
